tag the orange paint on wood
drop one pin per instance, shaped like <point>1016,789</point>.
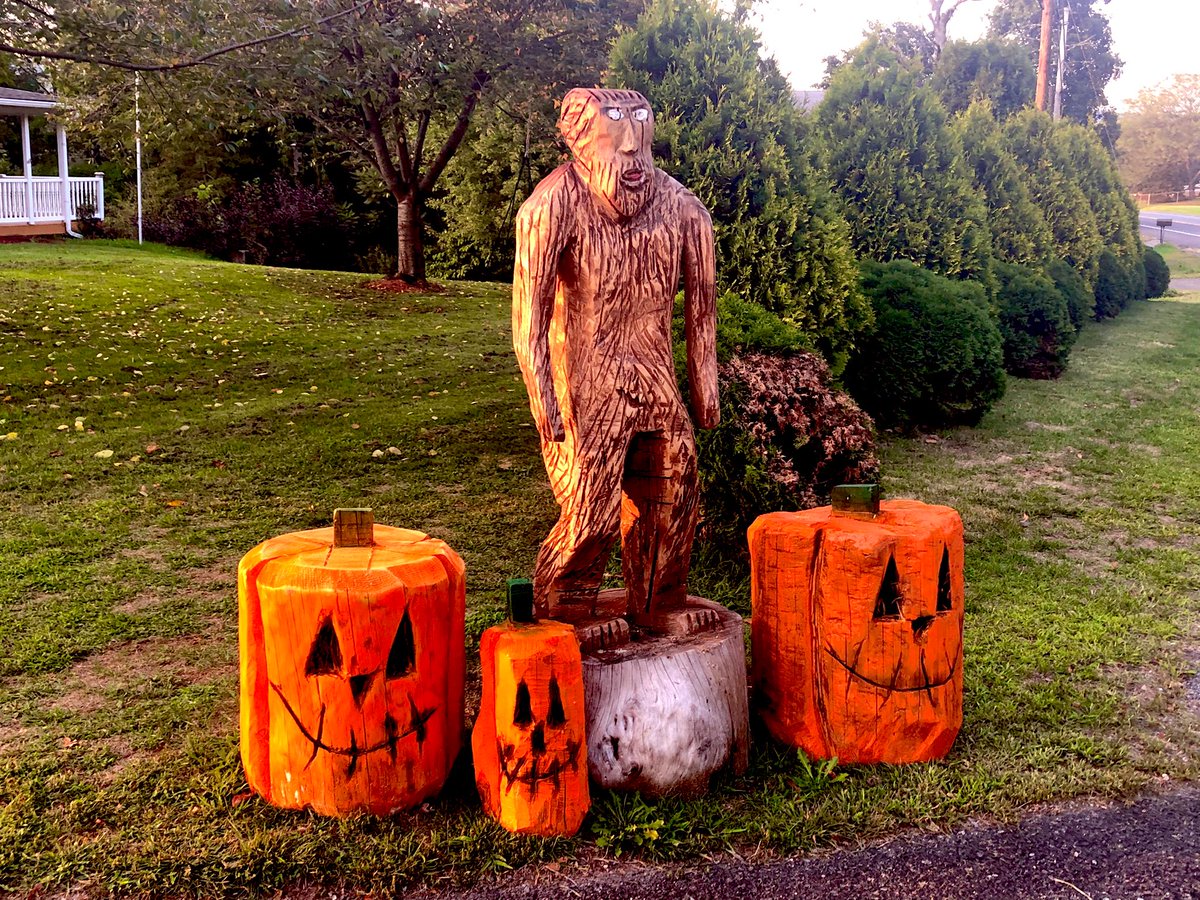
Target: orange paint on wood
<point>352,666</point>
<point>529,744</point>
<point>856,632</point>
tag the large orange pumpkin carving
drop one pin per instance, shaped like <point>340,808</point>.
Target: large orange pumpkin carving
<point>529,743</point>
<point>352,667</point>
<point>857,630</point>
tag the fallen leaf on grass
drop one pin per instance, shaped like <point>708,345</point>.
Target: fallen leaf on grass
<point>174,503</point>
<point>103,454</point>
<point>152,448</point>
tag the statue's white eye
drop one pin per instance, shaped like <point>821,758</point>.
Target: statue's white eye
<point>641,114</point>
<point>615,114</point>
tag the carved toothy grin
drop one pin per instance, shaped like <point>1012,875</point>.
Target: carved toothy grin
<point>633,178</point>
<point>929,684</point>
<point>531,777</point>
<point>416,725</point>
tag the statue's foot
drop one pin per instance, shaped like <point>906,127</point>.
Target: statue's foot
<point>682,622</point>
<point>604,634</point>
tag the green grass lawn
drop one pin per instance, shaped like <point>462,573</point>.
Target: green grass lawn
<point>1184,209</point>
<point>1183,263</point>
<point>163,413</point>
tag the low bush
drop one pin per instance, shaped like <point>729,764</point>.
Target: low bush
<point>1035,322</point>
<point>934,356</point>
<point>786,437</point>
<point>1114,287</point>
<point>1158,275</point>
<point>281,223</point>
<point>1081,302</point>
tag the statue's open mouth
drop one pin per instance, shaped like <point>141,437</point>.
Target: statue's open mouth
<point>416,725</point>
<point>928,685</point>
<point>633,178</point>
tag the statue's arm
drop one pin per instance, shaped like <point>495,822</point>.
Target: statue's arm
<point>700,305</point>
<point>541,236</point>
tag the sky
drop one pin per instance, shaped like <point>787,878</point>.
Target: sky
<point>1154,38</point>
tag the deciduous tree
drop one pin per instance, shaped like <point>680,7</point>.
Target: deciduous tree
<point>1160,137</point>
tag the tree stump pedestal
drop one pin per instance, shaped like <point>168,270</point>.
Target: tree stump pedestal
<point>667,711</point>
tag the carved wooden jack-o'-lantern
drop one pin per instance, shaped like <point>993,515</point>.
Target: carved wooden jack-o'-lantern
<point>529,744</point>
<point>857,628</point>
<point>352,666</point>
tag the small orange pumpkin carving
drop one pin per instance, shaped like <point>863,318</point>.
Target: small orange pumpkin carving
<point>529,743</point>
<point>857,631</point>
<point>352,666</point>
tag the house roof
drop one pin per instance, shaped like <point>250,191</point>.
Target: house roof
<point>24,103</point>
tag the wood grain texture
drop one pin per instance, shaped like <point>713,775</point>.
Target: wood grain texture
<point>856,633</point>
<point>665,714</point>
<point>601,247</point>
<point>352,667</point>
<point>528,742</point>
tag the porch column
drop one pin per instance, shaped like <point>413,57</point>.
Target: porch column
<point>64,175</point>
<point>27,155</point>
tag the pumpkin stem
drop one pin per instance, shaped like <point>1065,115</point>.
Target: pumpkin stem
<point>353,527</point>
<point>520,600</point>
<point>858,501</point>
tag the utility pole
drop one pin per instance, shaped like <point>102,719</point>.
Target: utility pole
<point>1062,60</point>
<point>1043,78</point>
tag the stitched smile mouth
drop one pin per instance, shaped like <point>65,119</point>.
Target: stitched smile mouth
<point>633,178</point>
<point>929,684</point>
<point>532,777</point>
<point>416,725</point>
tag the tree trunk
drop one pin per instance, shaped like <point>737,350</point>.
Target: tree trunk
<point>410,249</point>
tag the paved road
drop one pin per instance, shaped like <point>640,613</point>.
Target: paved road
<point>1185,232</point>
<point>1149,849</point>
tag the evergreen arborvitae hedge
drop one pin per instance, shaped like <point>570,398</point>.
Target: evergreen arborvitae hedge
<point>1019,230</point>
<point>1081,302</point>
<point>899,166</point>
<point>1158,276</point>
<point>1034,322</point>
<point>1115,288</point>
<point>727,128</point>
<point>934,356</point>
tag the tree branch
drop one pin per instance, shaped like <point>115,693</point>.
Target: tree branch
<point>478,83</point>
<point>382,156</point>
<point>79,57</point>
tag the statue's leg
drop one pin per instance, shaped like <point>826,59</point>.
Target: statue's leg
<point>587,484</point>
<point>658,519</point>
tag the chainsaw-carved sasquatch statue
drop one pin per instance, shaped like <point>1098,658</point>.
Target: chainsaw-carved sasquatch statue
<point>600,247</point>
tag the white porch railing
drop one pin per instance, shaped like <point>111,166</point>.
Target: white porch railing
<point>46,193</point>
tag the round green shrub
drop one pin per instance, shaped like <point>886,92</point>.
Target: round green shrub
<point>1114,289</point>
<point>1034,322</point>
<point>1158,276</point>
<point>1081,303</point>
<point>934,356</point>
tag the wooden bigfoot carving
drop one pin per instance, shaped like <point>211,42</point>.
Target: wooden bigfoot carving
<point>600,245</point>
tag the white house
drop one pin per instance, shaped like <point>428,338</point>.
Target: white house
<point>44,205</point>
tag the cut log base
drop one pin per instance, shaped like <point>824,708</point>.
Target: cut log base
<point>665,712</point>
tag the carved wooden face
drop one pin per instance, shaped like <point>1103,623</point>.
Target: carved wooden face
<point>610,134</point>
<point>529,746</point>
<point>857,631</point>
<point>358,656</point>
<point>888,618</point>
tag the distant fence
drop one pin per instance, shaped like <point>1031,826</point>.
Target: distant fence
<point>1146,199</point>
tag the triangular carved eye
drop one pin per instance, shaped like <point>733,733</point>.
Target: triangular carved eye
<point>402,658</point>
<point>523,709</point>
<point>887,603</point>
<point>945,600</point>
<point>555,718</point>
<point>325,657</point>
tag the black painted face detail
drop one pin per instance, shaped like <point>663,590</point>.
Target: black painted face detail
<point>889,608</point>
<point>325,659</point>
<point>529,770</point>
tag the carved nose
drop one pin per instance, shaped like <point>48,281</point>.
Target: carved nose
<point>358,687</point>
<point>539,740</point>
<point>919,624</point>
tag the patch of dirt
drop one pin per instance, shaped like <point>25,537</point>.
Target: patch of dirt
<point>400,286</point>
<point>1039,426</point>
<point>119,668</point>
